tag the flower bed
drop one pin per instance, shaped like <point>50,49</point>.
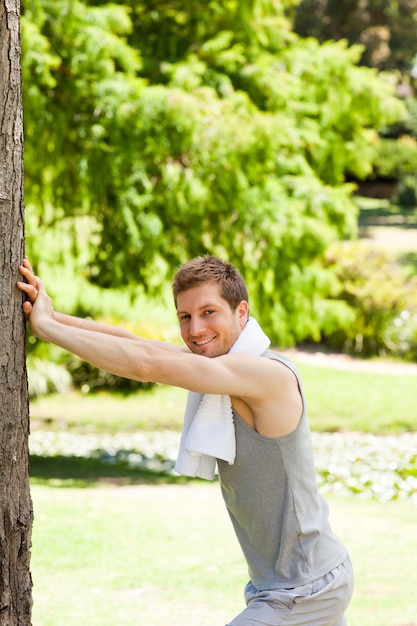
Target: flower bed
<point>351,463</point>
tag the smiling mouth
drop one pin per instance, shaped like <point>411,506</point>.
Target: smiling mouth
<point>203,343</point>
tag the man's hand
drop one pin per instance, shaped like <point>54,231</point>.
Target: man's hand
<point>38,307</point>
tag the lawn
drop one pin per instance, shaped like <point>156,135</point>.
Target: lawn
<point>140,550</point>
<point>166,555</point>
<point>372,402</point>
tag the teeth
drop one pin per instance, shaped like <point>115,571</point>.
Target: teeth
<point>202,343</point>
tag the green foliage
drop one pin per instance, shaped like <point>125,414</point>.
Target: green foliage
<point>381,297</point>
<point>410,122</point>
<point>401,336</point>
<point>45,377</point>
<point>340,107</point>
<point>197,128</point>
<point>395,157</point>
<point>406,194</point>
<point>396,160</point>
<point>73,55</point>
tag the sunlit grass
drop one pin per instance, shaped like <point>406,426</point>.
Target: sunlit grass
<point>370,402</point>
<point>166,555</point>
<point>159,408</point>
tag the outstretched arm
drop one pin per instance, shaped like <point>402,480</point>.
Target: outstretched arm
<point>107,347</point>
<point>127,354</point>
<point>31,288</point>
<point>40,314</point>
<point>268,389</point>
<point>89,324</point>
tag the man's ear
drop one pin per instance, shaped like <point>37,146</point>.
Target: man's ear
<point>243,312</point>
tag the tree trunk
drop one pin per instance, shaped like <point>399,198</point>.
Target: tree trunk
<point>15,503</point>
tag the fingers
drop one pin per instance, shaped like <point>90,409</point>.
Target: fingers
<point>30,290</point>
<point>27,308</point>
<point>26,264</point>
<point>26,270</point>
<point>32,284</point>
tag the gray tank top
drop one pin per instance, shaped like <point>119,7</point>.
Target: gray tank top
<point>279,516</point>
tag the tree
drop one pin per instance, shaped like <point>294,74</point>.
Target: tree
<point>200,127</point>
<point>385,28</point>
<point>15,502</point>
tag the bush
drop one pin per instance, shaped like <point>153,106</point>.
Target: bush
<point>401,336</point>
<point>382,299</point>
<point>406,194</point>
<point>395,158</point>
<point>47,377</point>
<point>410,123</point>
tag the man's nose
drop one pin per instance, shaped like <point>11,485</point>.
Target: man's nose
<point>197,326</point>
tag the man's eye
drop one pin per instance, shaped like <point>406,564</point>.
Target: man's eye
<point>209,312</point>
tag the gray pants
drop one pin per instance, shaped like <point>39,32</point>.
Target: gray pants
<point>320,603</point>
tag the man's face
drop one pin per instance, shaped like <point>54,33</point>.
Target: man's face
<point>208,325</point>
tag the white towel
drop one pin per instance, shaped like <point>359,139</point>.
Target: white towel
<point>208,432</point>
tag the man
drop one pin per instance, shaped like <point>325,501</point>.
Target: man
<point>246,413</point>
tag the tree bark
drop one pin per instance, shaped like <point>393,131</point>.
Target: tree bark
<point>16,513</point>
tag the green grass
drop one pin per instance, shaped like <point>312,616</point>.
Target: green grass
<point>166,555</point>
<point>356,400</point>
<point>69,471</point>
<point>336,400</point>
<point>160,408</point>
<point>115,545</point>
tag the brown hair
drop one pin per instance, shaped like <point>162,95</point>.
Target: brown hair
<point>208,268</point>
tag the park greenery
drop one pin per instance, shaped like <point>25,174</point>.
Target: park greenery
<point>364,430</point>
<point>167,555</point>
<point>384,28</point>
<point>156,132</point>
<point>101,471</point>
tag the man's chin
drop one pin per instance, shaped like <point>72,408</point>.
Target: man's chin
<point>203,351</point>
